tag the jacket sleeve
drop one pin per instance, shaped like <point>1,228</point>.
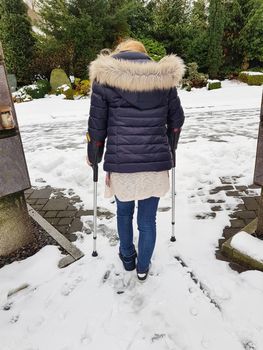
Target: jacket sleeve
<point>98,115</point>
<point>175,118</point>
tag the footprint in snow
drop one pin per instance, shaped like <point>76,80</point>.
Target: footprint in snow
<point>68,288</point>
<point>14,319</point>
<point>121,281</point>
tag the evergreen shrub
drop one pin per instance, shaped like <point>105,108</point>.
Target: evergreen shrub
<point>81,87</point>
<point>155,49</point>
<point>251,78</point>
<point>38,90</point>
<point>213,84</point>
<point>67,91</point>
<point>194,78</point>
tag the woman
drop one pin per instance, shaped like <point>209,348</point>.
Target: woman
<point>134,104</point>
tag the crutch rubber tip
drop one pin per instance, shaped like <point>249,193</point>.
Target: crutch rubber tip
<point>94,253</point>
<point>172,239</point>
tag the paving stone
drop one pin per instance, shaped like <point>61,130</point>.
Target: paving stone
<point>220,256</point>
<point>29,191</point>
<point>53,221</point>
<point>43,193</point>
<point>59,195</point>
<point>62,229</point>
<point>31,201</point>
<point>216,208</point>
<point>42,212</point>
<point>233,193</point>
<point>215,201</point>
<point>252,186</point>
<point>84,213</point>
<point>236,267</point>
<point>70,207</point>
<point>246,214</point>
<point>71,237</point>
<point>51,214</point>
<point>205,216</point>
<point>221,188</point>
<point>56,204</point>
<point>241,207</point>
<point>237,223</point>
<point>65,221</point>
<point>221,241</point>
<point>42,201</point>
<point>250,203</point>
<point>225,180</point>
<point>229,232</point>
<point>75,199</point>
<point>37,207</point>
<point>248,221</point>
<point>67,213</point>
<point>76,225</point>
<point>241,188</point>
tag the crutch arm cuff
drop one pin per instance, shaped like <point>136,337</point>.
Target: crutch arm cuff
<point>95,150</point>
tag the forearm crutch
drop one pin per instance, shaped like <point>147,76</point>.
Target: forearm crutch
<point>173,139</point>
<point>95,183</point>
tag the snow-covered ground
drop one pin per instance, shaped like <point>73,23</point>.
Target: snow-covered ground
<point>94,304</point>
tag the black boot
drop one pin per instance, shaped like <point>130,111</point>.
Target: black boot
<point>142,276</point>
<point>129,262</point>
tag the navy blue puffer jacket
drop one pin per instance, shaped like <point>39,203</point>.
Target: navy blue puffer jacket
<point>133,102</point>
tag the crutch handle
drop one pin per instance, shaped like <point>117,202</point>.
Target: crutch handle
<point>173,137</point>
<point>95,168</point>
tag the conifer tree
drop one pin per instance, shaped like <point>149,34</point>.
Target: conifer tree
<point>171,18</point>
<point>17,38</point>
<point>197,47</point>
<point>215,35</point>
<point>84,26</point>
<point>251,36</point>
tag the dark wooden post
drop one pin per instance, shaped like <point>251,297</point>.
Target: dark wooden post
<point>15,228</point>
<point>258,174</point>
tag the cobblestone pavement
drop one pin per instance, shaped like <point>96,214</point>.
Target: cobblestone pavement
<point>60,211</point>
<point>63,213</point>
<point>241,216</point>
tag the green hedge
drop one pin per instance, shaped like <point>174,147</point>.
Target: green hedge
<point>212,85</point>
<point>255,79</point>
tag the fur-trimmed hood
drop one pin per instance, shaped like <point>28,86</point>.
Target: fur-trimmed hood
<point>132,75</point>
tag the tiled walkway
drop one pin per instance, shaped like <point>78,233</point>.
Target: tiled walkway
<point>62,213</point>
<point>59,210</point>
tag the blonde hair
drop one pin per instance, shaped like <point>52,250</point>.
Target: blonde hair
<point>130,45</point>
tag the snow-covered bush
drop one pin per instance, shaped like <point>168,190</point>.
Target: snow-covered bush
<point>39,89</point>
<point>193,77</point>
<point>21,96</point>
<point>29,92</point>
<point>251,78</point>
<point>213,84</point>
<point>66,91</point>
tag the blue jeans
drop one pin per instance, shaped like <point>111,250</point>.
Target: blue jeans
<point>146,221</point>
